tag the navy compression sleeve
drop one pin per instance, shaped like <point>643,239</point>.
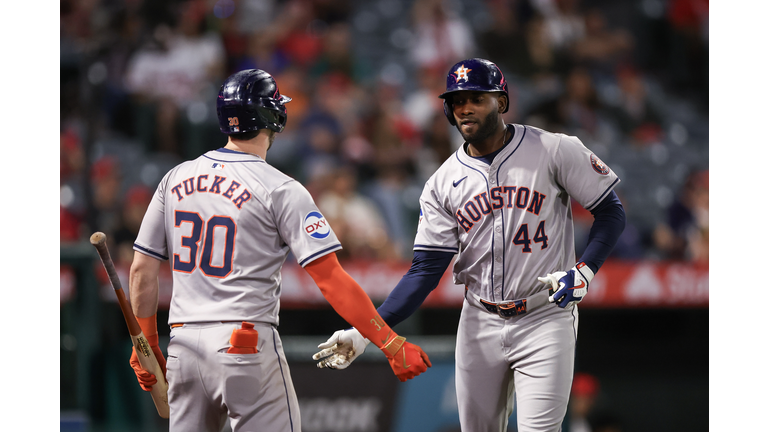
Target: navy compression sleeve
<point>609,223</point>
<point>426,270</point>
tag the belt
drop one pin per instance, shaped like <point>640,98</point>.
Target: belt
<point>510,308</point>
<point>175,325</point>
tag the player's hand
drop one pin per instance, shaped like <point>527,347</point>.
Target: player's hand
<point>145,378</point>
<point>406,359</point>
<point>569,287</point>
<point>341,349</point>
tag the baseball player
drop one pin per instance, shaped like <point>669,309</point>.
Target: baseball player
<point>501,204</point>
<point>226,222</point>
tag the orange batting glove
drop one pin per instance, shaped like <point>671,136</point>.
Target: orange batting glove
<point>406,359</point>
<point>149,328</point>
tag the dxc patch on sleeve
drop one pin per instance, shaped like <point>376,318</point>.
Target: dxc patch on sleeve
<point>316,226</point>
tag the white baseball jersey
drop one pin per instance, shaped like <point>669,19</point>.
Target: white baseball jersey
<point>510,222</point>
<point>226,221</point>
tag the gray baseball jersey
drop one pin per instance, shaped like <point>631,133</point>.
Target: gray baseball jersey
<point>510,222</point>
<point>226,221</point>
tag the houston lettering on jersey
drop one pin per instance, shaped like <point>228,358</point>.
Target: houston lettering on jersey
<point>500,197</point>
<point>202,184</point>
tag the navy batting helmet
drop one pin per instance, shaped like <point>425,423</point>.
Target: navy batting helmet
<point>249,100</point>
<point>474,74</point>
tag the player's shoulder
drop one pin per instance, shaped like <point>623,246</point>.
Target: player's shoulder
<point>252,169</point>
<point>549,140</point>
<point>447,168</point>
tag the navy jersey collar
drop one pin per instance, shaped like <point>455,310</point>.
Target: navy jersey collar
<point>488,159</point>
<point>226,150</point>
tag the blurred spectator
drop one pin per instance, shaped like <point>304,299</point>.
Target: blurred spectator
<point>422,103</point>
<point>298,33</point>
<point>332,11</point>
<point>261,53</point>
<point>337,95</point>
<point>684,235</point>
<point>584,392</point>
<point>106,181</point>
<point>126,33</point>
<point>182,65</point>
<point>394,138</point>
<point>517,40</point>
<point>337,56</point>
<point>634,113</point>
<point>688,48</point>
<point>441,36</point>
<point>355,219</point>
<point>503,41</point>
<point>165,57</point>
<point>437,145</point>
<point>134,206</point>
<point>67,284</point>
<point>71,156</point>
<point>294,83</point>
<point>574,112</point>
<point>69,226</point>
<point>387,191</point>
<point>253,15</point>
<point>319,147</point>
<point>600,49</point>
<point>72,204</point>
<point>564,23</point>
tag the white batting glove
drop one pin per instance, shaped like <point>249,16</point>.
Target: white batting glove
<point>569,287</point>
<point>341,349</point>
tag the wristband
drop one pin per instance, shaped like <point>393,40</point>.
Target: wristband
<point>394,345</point>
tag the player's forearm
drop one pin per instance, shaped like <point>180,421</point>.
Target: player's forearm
<point>143,285</point>
<point>424,275</point>
<point>348,299</point>
<point>609,223</point>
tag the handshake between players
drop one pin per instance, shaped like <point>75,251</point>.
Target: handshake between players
<point>343,347</point>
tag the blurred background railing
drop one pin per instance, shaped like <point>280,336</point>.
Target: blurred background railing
<point>630,78</point>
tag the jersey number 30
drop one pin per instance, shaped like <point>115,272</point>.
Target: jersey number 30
<point>192,243</point>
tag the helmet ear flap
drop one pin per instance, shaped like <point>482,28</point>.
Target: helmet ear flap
<point>448,110</point>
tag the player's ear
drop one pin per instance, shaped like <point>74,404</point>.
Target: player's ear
<point>503,102</point>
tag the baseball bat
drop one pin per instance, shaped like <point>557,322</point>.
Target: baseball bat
<point>146,357</point>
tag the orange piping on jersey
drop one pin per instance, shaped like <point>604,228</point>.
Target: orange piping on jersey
<point>348,299</point>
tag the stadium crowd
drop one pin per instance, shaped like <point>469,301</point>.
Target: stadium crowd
<point>366,129</point>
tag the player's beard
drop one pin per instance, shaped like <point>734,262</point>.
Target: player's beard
<point>485,129</point>
<point>271,139</point>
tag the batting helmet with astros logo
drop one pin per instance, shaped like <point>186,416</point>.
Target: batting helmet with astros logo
<point>249,100</point>
<point>473,74</point>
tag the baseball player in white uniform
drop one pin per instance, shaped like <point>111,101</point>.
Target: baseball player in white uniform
<point>226,222</point>
<point>501,205</point>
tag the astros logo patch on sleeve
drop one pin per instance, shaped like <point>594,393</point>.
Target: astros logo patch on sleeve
<point>316,226</point>
<point>598,165</point>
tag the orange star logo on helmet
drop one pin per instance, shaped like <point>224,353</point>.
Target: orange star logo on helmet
<point>462,73</point>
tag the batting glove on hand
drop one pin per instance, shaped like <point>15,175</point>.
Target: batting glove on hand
<point>341,349</point>
<point>406,359</point>
<point>145,378</point>
<point>569,287</point>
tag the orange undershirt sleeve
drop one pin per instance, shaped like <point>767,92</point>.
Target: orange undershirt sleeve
<point>149,328</point>
<point>348,299</point>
